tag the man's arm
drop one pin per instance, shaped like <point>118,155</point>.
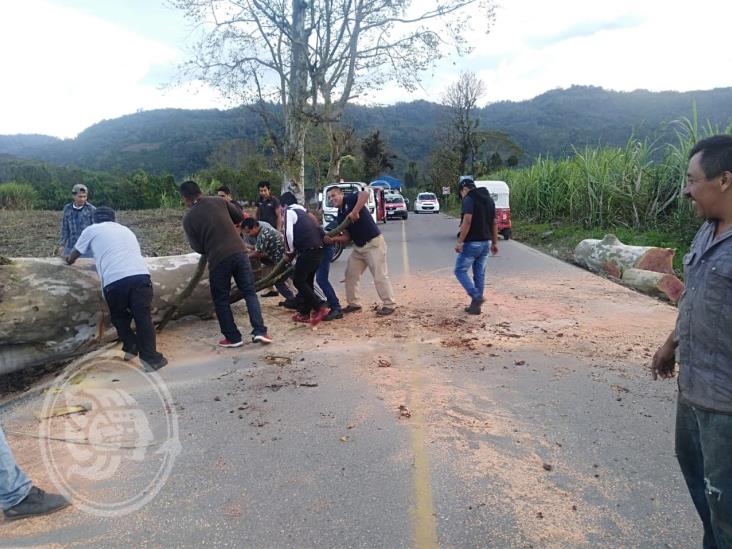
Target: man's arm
<point>494,238</point>
<point>343,238</point>
<point>363,198</point>
<point>196,244</point>
<point>73,256</point>
<point>663,364</point>
<point>290,230</point>
<point>464,229</point>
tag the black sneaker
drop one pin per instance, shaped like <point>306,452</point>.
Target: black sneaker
<point>352,309</point>
<point>154,366</point>
<point>36,503</point>
<point>334,314</point>
<point>289,304</point>
<point>129,354</point>
<point>271,293</point>
<point>385,311</point>
<point>473,308</point>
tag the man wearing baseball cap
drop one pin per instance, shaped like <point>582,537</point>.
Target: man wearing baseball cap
<point>77,216</point>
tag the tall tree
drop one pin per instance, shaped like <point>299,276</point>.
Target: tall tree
<point>316,56</point>
<point>376,156</point>
<point>462,99</point>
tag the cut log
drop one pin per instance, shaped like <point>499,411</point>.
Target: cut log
<point>612,257</point>
<point>653,283</point>
<point>51,312</point>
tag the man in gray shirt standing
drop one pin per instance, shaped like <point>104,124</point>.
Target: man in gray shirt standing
<point>702,343</point>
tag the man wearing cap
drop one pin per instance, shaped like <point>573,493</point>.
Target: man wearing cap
<point>77,216</point>
<point>477,237</point>
<point>126,284</point>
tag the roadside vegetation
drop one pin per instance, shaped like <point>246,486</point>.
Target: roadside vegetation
<point>633,192</point>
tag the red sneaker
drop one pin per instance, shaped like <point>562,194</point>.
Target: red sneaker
<point>230,344</point>
<point>264,339</point>
<point>300,318</point>
<point>319,315</point>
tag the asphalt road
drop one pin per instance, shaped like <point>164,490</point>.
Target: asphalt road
<point>534,425</point>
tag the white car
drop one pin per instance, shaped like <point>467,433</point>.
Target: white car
<point>426,202</point>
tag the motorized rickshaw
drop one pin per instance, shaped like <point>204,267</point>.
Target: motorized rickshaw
<point>500,193</point>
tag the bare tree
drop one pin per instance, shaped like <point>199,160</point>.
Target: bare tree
<point>462,99</point>
<point>313,58</point>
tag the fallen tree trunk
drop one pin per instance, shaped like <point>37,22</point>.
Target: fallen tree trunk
<point>51,312</point>
<point>612,257</point>
<point>652,283</point>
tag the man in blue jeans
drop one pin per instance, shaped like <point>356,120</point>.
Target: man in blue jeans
<point>322,278</point>
<point>18,497</point>
<point>478,235</point>
<point>702,344</point>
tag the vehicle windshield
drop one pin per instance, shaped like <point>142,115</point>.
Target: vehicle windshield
<point>394,199</point>
<point>426,196</point>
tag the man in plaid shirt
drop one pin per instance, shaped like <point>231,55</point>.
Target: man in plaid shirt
<point>77,216</point>
<point>269,248</point>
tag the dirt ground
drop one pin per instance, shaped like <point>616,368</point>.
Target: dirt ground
<point>35,233</point>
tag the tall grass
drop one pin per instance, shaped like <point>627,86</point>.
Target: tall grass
<point>17,196</point>
<point>636,186</point>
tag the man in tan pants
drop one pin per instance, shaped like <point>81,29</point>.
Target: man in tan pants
<point>369,250</point>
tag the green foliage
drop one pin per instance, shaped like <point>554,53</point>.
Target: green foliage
<point>351,168</point>
<point>611,186</point>
<point>17,196</point>
<point>376,156</point>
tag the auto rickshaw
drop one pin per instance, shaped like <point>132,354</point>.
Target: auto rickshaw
<point>499,192</point>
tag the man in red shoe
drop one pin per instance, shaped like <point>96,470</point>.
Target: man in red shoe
<point>304,237</point>
<point>210,227</point>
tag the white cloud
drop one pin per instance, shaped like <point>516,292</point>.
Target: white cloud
<point>65,70</point>
<point>622,45</point>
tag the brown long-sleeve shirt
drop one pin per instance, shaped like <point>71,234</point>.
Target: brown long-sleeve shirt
<point>209,226</point>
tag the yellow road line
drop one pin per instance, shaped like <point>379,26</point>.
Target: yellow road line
<point>424,525</point>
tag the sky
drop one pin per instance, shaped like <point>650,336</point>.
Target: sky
<point>67,64</point>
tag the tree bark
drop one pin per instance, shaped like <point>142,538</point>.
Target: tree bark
<point>652,283</point>
<point>612,257</point>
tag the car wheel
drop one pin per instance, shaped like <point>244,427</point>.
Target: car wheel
<point>506,234</point>
<point>405,216</point>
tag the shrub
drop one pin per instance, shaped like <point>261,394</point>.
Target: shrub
<point>17,196</point>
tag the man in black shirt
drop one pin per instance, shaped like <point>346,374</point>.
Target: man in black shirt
<point>268,210</point>
<point>478,235</point>
<point>369,249</point>
<point>268,207</point>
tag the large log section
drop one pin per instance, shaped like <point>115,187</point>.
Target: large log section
<point>644,268</point>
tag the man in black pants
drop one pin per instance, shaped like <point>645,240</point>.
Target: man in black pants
<point>210,227</point>
<point>126,284</point>
<point>304,237</point>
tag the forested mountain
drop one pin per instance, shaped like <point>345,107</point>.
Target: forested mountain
<point>180,141</point>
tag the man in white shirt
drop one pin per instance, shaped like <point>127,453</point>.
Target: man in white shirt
<point>126,284</point>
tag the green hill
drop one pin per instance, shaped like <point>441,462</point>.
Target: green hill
<point>179,141</point>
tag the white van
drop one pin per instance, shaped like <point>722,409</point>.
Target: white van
<point>330,212</point>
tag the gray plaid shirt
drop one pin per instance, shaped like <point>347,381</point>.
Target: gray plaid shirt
<point>73,222</point>
<point>704,325</point>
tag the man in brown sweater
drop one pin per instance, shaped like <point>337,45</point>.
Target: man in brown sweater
<point>209,226</point>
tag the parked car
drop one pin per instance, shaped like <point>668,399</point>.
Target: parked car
<point>426,202</point>
<point>395,206</point>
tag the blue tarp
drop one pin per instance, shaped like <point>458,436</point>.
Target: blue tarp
<point>392,182</point>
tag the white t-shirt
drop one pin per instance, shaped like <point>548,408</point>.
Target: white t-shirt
<point>115,250</point>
